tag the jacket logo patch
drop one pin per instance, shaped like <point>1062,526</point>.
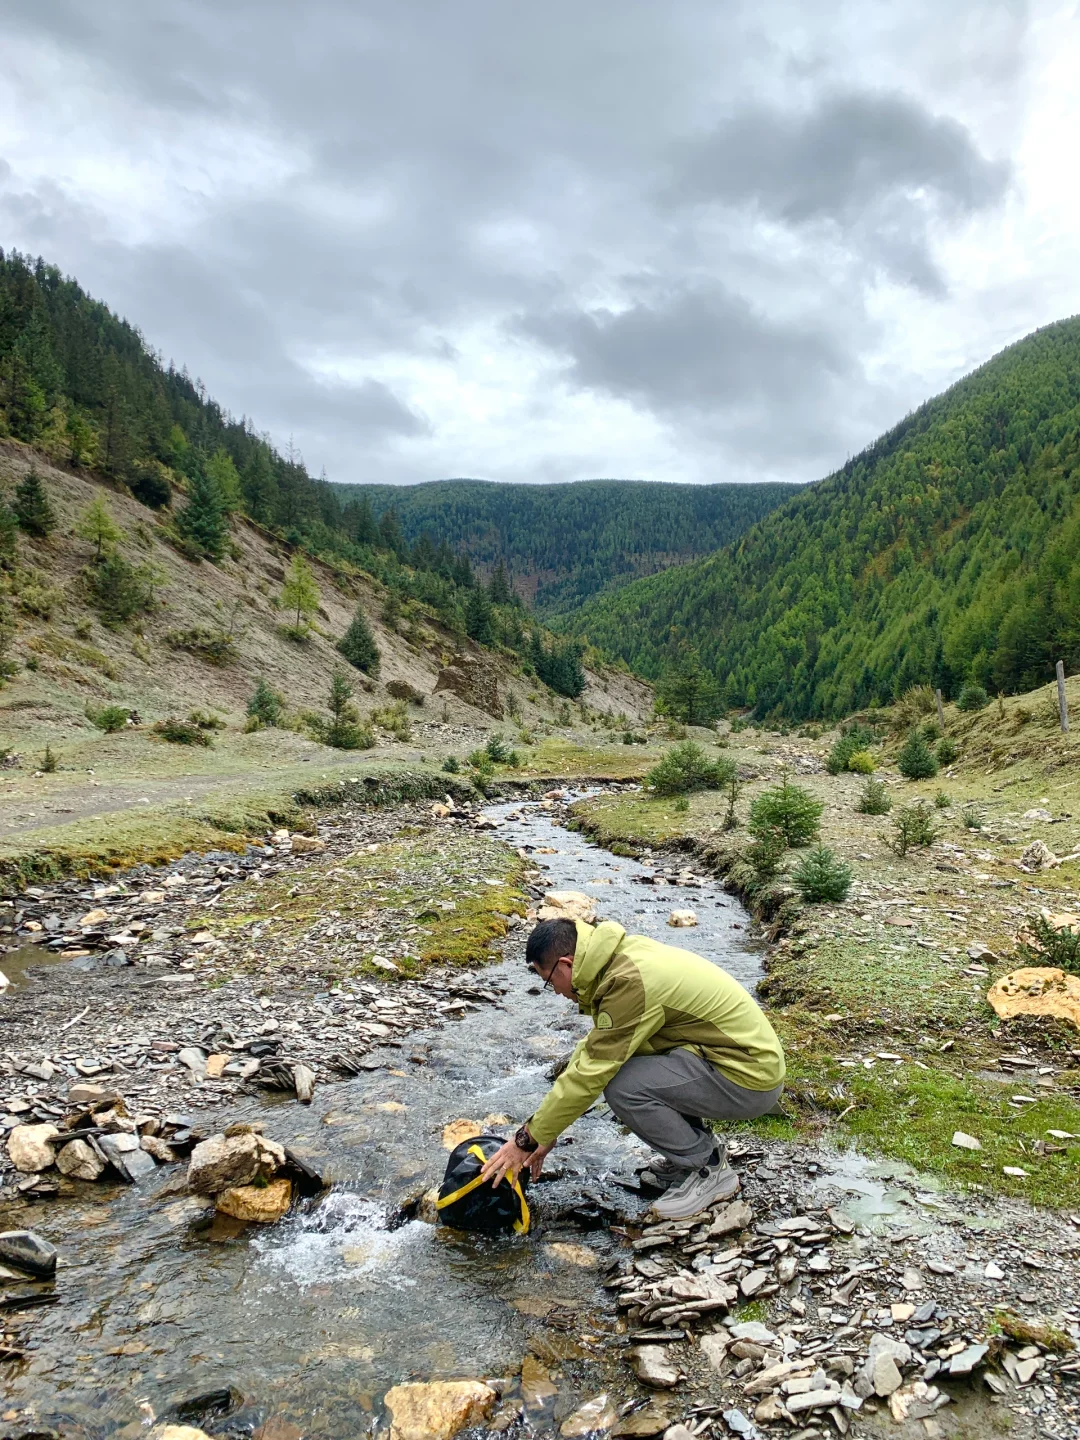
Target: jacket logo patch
<point>603,1021</point>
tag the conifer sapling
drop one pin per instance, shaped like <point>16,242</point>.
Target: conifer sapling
<point>916,760</point>
<point>358,644</point>
<point>97,525</point>
<point>821,876</point>
<point>300,595</point>
<point>32,509</point>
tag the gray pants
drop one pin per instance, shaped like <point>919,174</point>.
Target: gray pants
<point>661,1097</point>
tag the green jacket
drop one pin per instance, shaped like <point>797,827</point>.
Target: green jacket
<point>646,998</point>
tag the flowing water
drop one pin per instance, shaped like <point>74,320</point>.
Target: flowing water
<point>314,1318</point>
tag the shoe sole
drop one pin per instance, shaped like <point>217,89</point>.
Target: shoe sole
<point>725,1192</point>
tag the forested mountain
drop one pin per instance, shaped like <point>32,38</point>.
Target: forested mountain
<point>81,386</point>
<point>563,543</point>
<point>948,550</point>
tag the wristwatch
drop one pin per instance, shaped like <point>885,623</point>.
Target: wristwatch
<point>524,1141</point>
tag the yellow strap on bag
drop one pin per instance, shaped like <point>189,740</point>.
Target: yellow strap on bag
<point>520,1226</point>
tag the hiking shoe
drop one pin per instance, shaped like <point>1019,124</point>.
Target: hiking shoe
<point>698,1191</point>
<point>662,1173</point>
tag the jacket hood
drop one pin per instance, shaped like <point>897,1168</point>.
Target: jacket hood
<point>595,947</point>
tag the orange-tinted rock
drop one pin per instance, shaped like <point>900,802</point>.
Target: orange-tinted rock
<point>261,1203</point>
<point>1037,990</point>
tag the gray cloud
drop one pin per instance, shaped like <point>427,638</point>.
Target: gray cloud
<point>846,154</point>
<point>415,235</point>
<point>701,349</point>
<point>878,166</point>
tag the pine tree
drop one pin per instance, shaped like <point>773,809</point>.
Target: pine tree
<point>364,529</point>
<point>118,590</point>
<point>225,476</point>
<point>97,525</point>
<point>478,618</point>
<point>423,553</point>
<point>821,876</point>
<point>358,644</point>
<point>265,705</point>
<point>203,522</point>
<point>82,439</point>
<point>258,485</point>
<point>344,731</point>
<point>499,588</point>
<point>689,693</point>
<point>32,509</point>
<point>390,536</point>
<point>300,593</point>
<point>391,611</point>
<point>916,760</point>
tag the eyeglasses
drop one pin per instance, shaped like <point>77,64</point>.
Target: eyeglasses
<point>547,981</point>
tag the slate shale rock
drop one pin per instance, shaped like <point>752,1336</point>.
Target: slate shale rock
<point>27,1250</point>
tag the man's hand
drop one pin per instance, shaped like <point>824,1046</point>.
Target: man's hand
<point>535,1162</point>
<point>508,1158</point>
<point>511,1158</point>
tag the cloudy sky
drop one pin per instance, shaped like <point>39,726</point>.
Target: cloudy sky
<point>670,239</point>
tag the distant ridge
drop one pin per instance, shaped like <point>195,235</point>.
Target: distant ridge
<point>564,543</point>
<point>948,550</point>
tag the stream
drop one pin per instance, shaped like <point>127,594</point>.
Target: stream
<point>311,1320</point>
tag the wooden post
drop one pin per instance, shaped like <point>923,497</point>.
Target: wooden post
<point>940,709</point>
<point>1063,704</point>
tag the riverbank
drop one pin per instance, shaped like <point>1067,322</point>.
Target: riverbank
<point>282,956</point>
<point>881,998</point>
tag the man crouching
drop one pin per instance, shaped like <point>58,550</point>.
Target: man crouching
<point>675,1042</point>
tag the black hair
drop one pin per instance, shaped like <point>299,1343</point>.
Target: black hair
<point>550,940</point>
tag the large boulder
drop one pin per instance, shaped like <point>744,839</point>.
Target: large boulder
<point>29,1149</point>
<point>567,905</point>
<point>262,1204</point>
<point>79,1162</point>
<point>438,1409</point>
<point>402,690</point>
<point>225,1161</point>
<point>27,1250</point>
<point>473,681</point>
<point>1037,990</point>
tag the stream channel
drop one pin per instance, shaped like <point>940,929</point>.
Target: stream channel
<point>314,1318</point>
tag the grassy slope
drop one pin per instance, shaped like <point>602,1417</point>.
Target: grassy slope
<point>123,798</point>
<point>845,986</point>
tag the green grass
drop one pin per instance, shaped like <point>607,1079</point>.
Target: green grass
<point>225,819</point>
<point>910,1113</point>
<point>557,757</point>
<point>404,886</point>
<point>881,981</point>
<point>637,820</point>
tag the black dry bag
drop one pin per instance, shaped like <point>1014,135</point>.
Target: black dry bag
<point>467,1202</point>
